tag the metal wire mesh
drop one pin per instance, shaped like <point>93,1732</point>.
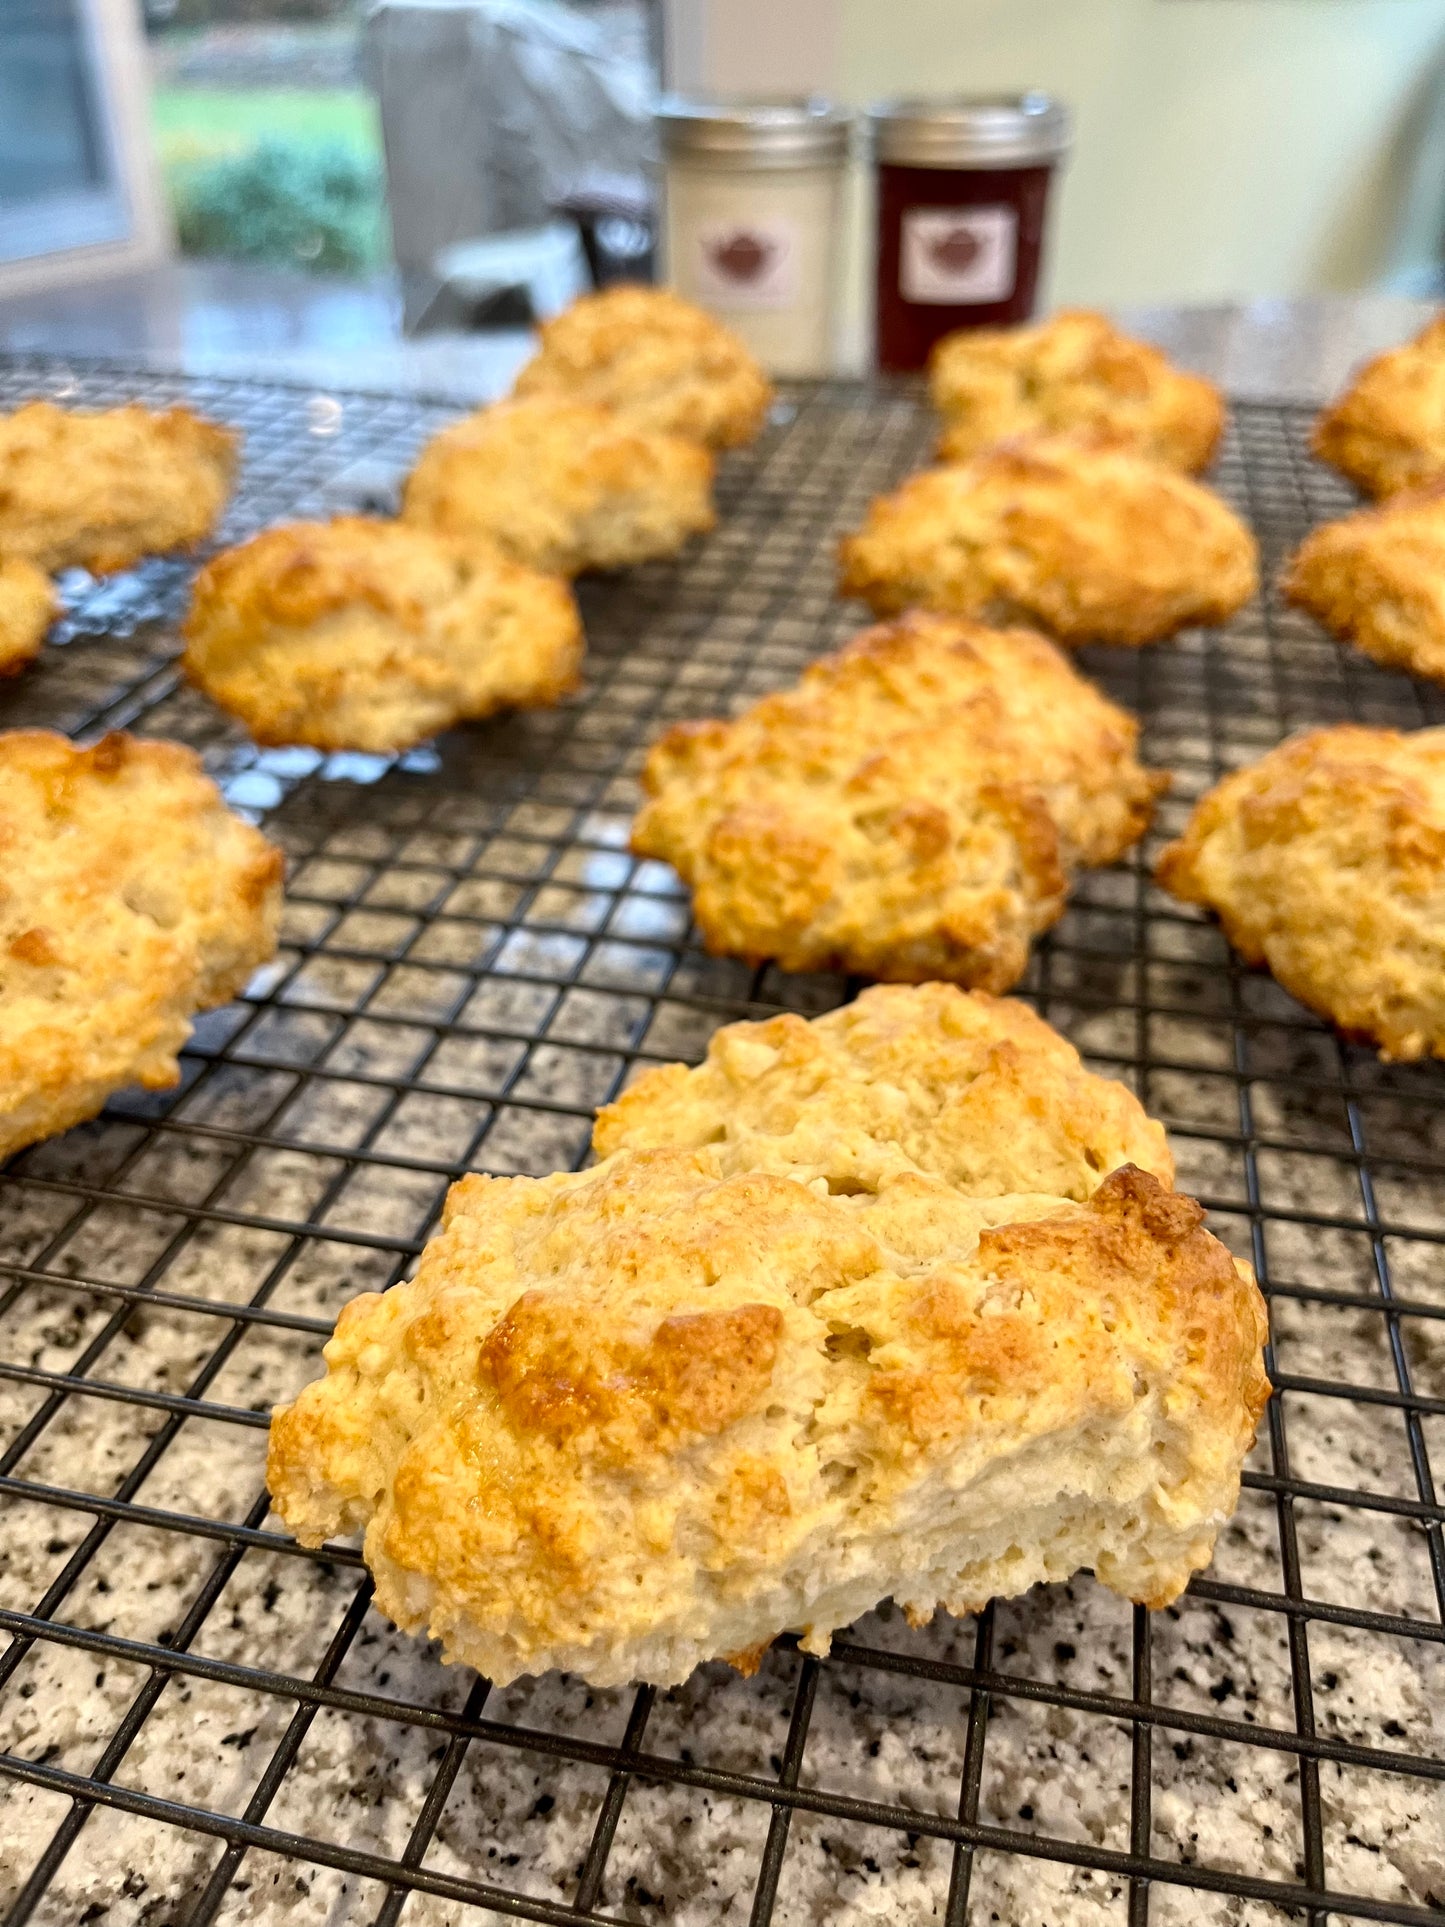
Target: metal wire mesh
<point>203,1722</point>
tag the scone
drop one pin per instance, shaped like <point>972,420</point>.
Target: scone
<point>913,808</point>
<point>663,1410</point>
<point>1325,861</point>
<point>1073,371</point>
<point>28,606</point>
<point>1377,578</point>
<point>666,365</point>
<point>1387,431</point>
<point>98,490</point>
<point>976,1090</point>
<point>1093,542</point>
<point>561,486</point>
<point>359,634</point>
<point>130,898</point>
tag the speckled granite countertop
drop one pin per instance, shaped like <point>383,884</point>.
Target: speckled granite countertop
<point>690,1856</point>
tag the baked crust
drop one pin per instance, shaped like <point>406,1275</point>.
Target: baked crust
<point>1377,578</point>
<point>1073,371</point>
<point>130,898</point>
<point>665,364</point>
<point>976,1090</point>
<point>359,634</point>
<point>660,1411</point>
<point>562,486</point>
<point>914,807</point>
<point>28,606</point>
<point>1387,431</point>
<point>1325,861</point>
<point>1086,539</point>
<point>98,490</point>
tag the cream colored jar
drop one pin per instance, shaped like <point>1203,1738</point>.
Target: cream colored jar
<point>753,210</point>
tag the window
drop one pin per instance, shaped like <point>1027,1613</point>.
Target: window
<point>60,184</point>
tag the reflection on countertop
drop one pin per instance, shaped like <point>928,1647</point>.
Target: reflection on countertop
<point>226,318</point>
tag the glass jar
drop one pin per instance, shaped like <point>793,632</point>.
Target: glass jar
<point>962,190</point>
<point>752,211</point>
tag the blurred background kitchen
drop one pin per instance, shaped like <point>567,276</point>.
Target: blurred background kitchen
<point>384,192</point>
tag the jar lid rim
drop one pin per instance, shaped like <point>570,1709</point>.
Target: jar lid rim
<point>768,132</point>
<point>1032,105</point>
<point>972,127</point>
<point>799,111</point>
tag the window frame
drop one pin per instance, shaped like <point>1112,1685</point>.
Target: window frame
<point>120,222</point>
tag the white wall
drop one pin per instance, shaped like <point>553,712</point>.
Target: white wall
<point>751,46</point>
<point>1226,148</point>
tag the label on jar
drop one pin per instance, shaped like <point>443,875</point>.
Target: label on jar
<point>951,256</point>
<point>746,263</point>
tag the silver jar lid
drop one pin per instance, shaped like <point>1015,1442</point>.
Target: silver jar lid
<point>1018,130</point>
<point>754,133</point>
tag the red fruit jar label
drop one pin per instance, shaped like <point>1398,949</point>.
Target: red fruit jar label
<point>953,256</point>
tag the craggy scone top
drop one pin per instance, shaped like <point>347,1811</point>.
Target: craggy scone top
<point>98,490</point>
<point>913,808</point>
<point>660,1411</point>
<point>1377,578</point>
<point>1075,370</point>
<point>977,1090</point>
<point>1387,431</point>
<point>130,898</point>
<point>1075,533</point>
<point>1325,860</point>
<point>372,635</point>
<point>562,485</point>
<point>655,358</point>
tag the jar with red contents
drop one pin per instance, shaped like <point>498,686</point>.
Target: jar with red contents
<point>962,191</point>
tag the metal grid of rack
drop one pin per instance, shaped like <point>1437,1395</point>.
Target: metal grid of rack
<point>202,1722</point>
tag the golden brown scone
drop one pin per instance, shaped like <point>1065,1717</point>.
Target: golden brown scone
<point>130,898</point>
<point>561,486</point>
<point>1325,861</point>
<point>666,365</point>
<point>1073,371</point>
<point>1377,578</point>
<point>653,1413</point>
<point>1089,540</point>
<point>28,606</point>
<point>913,808</point>
<point>1387,431</point>
<point>98,490</point>
<point>360,634</point>
<point>976,1090</point>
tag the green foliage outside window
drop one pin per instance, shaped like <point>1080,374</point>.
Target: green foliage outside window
<point>286,203</point>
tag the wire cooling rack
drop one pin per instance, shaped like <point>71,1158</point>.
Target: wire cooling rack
<point>203,1722</point>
